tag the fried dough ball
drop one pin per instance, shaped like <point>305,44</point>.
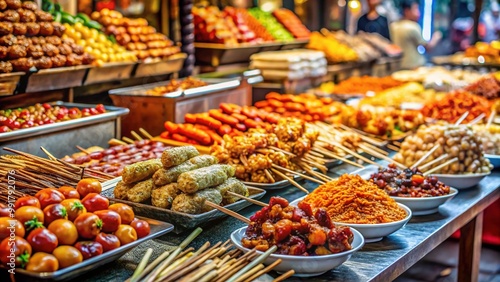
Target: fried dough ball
<point>50,50</point>
<point>3,52</point>
<point>3,6</point>
<point>74,60</point>
<point>77,49</point>
<point>30,6</point>
<point>8,40</point>
<point>24,41</point>
<point>5,67</point>
<point>11,16</point>
<point>19,29</point>
<point>65,49</point>
<point>87,59</point>
<point>6,28</point>
<point>58,61</point>
<point>27,16</point>
<point>22,64</point>
<point>35,51</point>
<point>46,29</point>
<point>38,40</point>
<point>43,63</point>
<point>16,51</point>
<point>13,4</point>
<point>42,16</point>
<point>32,29</point>
<point>59,29</point>
<point>54,40</point>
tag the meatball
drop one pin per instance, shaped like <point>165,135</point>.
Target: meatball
<point>11,16</point>
<point>32,29</point>
<point>29,6</point>
<point>13,4</point>
<point>8,40</point>
<point>22,64</point>
<point>74,60</point>
<point>43,63</point>
<point>50,50</point>
<point>58,61</point>
<point>59,29</point>
<point>3,52</point>
<point>42,16</point>
<point>27,16</point>
<point>54,40</point>
<point>35,51</point>
<point>46,29</point>
<point>77,49</point>
<point>19,29</point>
<point>5,67</point>
<point>16,51</point>
<point>24,41</point>
<point>65,49</point>
<point>39,40</point>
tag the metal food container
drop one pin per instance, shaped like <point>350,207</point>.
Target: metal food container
<point>56,78</point>
<point>59,138</point>
<point>172,64</point>
<point>109,72</point>
<point>151,111</point>
<point>8,82</point>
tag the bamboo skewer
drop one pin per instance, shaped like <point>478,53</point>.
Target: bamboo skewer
<point>349,151</point>
<point>263,271</point>
<point>228,212</point>
<point>83,150</point>
<point>368,145</point>
<point>392,147</point>
<point>299,174</point>
<point>462,118</point>
<point>332,155</point>
<point>114,142</point>
<point>435,161</point>
<point>425,156</point>
<point>282,175</point>
<point>310,170</point>
<point>247,199</point>
<point>490,119</point>
<point>384,157</point>
<point>439,167</point>
<point>269,175</point>
<point>284,275</point>
<point>145,133</point>
<point>136,136</point>
<point>477,119</point>
<point>255,262</point>
<point>128,140</point>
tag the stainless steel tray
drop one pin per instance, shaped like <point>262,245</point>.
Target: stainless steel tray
<point>158,228</point>
<point>172,64</point>
<point>109,72</point>
<point>182,221</point>
<point>111,114</point>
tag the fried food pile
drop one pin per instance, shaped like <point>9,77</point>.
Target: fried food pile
<point>411,92</point>
<point>490,138</point>
<point>360,85</point>
<point>296,231</point>
<point>351,199</point>
<point>252,156</point>
<point>182,180</point>
<point>177,85</point>
<point>456,141</point>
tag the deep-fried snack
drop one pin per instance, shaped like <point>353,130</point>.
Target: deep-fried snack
<point>177,155</point>
<point>30,6</point>
<point>46,29</point>
<point>59,29</point>
<point>6,28</point>
<point>22,64</point>
<point>3,5</point>
<point>202,178</point>
<point>8,40</point>
<point>32,29</point>
<point>50,50</point>
<point>166,176</point>
<point>232,185</point>
<point>195,203</point>
<point>55,40</point>
<point>13,4</point>
<point>140,171</point>
<point>141,191</point>
<point>43,63</point>
<point>5,67</point>
<point>42,16</point>
<point>19,29</point>
<point>3,52</point>
<point>65,49</point>
<point>121,190</point>
<point>16,51</point>
<point>26,16</point>
<point>74,60</point>
<point>164,196</point>
<point>58,61</point>
<point>11,16</point>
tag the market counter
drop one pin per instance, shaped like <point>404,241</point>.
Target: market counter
<point>381,261</point>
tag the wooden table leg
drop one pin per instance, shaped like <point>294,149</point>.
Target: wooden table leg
<point>470,250</point>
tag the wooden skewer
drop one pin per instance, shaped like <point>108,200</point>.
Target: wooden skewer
<point>114,142</point>
<point>83,150</point>
<point>269,175</point>
<point>332,155</point>
<point>128,140</point>
<point>136,136</point>
<point>392,147</point>
<point>251,272</point>
<point>316,154</point>
<point>299,174</point>
<point>258,260</point>
<point>282,151</point>
<point>396,143</point>
<point>376,149</point>
<point>349,151</point>
<point>310,170</point>
<point>145,133</point>
<point>490,119</point>
<point>439,167</point>
<point>363,135</point>
<point>477,119</point>
<point>284,276</point>
<point>228,212</point>
<point>290,180</point>
<point>321,167</point>
<point>384,157</point>
<point>263,271</point>
<point>426,155</point>
<point>48,154</point>
<point>435,161</point>
<point>462,118</point>
<point>247,199</point>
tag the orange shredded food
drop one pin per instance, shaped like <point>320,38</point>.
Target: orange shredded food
<point>351,199</point>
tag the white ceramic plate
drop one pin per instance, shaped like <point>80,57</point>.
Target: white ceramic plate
<point>305,266</point>
<point>461,181</point>
<point>494,160</point>
<point>425,205</point>
<point>374,232</point>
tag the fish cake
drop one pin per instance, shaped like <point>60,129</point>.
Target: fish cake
<point>141,191</point>
<point>163,196</point>
<point>140,171</point>
<point>121,190</point>
<point>202,178</point>
<point>195,203</point>
<point>166,176</point>
<point>177,155</point>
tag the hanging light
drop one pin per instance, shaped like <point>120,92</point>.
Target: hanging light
<point>354,5</point>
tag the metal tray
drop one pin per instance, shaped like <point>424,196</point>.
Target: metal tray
<point>172,64</point>
<point>57,78</point>
<point>8,82</point>
<point>182,221</point>
<point>158,228</point>
<point>109,72</point>
<point>111,114</point>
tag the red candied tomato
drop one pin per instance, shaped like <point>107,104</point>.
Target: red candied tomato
<point>49,196</point>
<point>42,262</point>
<point>111,220</point>
<point>108,241</point>
<point>42,240</point>
<point>10,225</point>
<point>74,208</point>
<point>100,108</point>
<point>125,211</point>
<point>30,217</point>
<point>88,185</point>
<point>27,201</point>
<point>88,225</point>
<point>95,202</point>
<point>69,192</point>
<point>64,230</point>
<point>53,212</point>
<point>22,251</point>
<point>89,249</point>
<point>141,227</point>
<point>5,210</point>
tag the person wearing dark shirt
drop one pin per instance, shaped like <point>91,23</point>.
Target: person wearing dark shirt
<point>373,22</point>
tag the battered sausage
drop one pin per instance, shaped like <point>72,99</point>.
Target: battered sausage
<point>195,203</point>
<point>141,191</point>
<point>140,171</point>
<point>177,155</point>
<point>202,178</point>
<point>232,185</point>
<point>121,190</point>
<point>164,196</point>
<point>166,176</point>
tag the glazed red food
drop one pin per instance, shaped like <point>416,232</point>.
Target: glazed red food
<point>110,220</point>
<point>53,212</point>
<point>49,196</point>
<point>87,186</point>
<point>296,231</point>
<point>141,227</point>
<point>69,192</point>
<point>42,240</point>
<point>27,201</point>
<point>22,250</point>
<point>408,183</point>
<point>95,202</point>
<point>108,241</point>
<point>88,225</point>
<point>89,249</point>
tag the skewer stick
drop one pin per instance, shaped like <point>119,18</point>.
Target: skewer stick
<point>228,212</point>
<point>376,149</point>
<point>136,136</point>
<point>349,151</point>
<point>251,272</point>
<point>439,167</point>
<point>284,276</point>
<point>259,203</point>
<point>384,157</point>
<point>128,140</point>
<point>48,154</point>
<point>282,151</point>
<point>426,155</point>
<point>269,175</point>
<point>145,133</point>
<point>392,147</point>
<point>477,119</point>
<point>462,118</point>
<point>321,167</point>
<point>290,180</point>
<point>490,119</point>
<point>263,271</point>
<point>332,155</point>
<point>114,142</point>
<point>363,136</point>
<point>243,160</point>
<point>433,162</point>
<point>299,174</point>
<point>309,170</point>
<point>251,265</point>
<point>83,150</point>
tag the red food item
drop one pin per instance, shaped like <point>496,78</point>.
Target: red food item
<point>42,240</point>
<point>108,241</point>
<point>249,123</point>
<point>10,225</point>
<point>141,227</point>
<point>49,196</point>
<point>64,230</point>
<point>69,192</point>
<point>126,213</point>
<point>22,251</point>
<point>53,212</point>
<point>223,118</point>
<point>171,127</point>
<point>95,202</point>
<point>110,220</point>
<point>195,134</point>
<point>208,121</point>
<point>180,138</point>
<point>165,135</point>
<point>89,249</point>
<point>292,23</point>
<point>74,208</point>
<point>225,129</point>
<point>30,217</point>
<point>190,118</point>
<point>230,108</point>
<point>88,225</point>
<point>5,210</point>
<point>27,201</point>
<point>215,136</point>
<point>88,185</point>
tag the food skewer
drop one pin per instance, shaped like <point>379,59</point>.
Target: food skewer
<point>247,199</point>
<point>228,212</point>
<point>490,119</point>
<point>284,276</point>
<point>83,150</point>
<point>332,155</point>
<point>477,119</point>
<point>145,133</point>
<point>431,163</point>
<point>368,145</point>
<point>136,136</point>
<point>349,151</point>
<point>384,157</point>
<point>282,175</point>
<point>128,140</point>
<point>299,174</point>
<point>462,118</point>
<point>263,271</point>
<point>269,176</point>
<point>114,142</point>
<point>392,147</point>
<point>425,156</point>
<point>309,170</point>
<point>439,167</point>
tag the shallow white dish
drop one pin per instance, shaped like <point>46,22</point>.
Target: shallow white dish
<point>374,232</point>
<point>425,205</point>
<point>494,160</point>
<point>305,266</point>
<point>461,181</point>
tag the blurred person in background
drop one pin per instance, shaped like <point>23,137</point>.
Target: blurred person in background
<point>407,34</point>
<point>491,21</point>
<point>373,21</point>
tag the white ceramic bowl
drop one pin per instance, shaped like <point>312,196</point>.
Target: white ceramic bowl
<point>305,266</point>
<point>374,232</point>
<point>425,205</point>
<point>494,160</point>
<point>461,181</point>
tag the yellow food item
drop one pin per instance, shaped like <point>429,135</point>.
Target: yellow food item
<point>335,52</point>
